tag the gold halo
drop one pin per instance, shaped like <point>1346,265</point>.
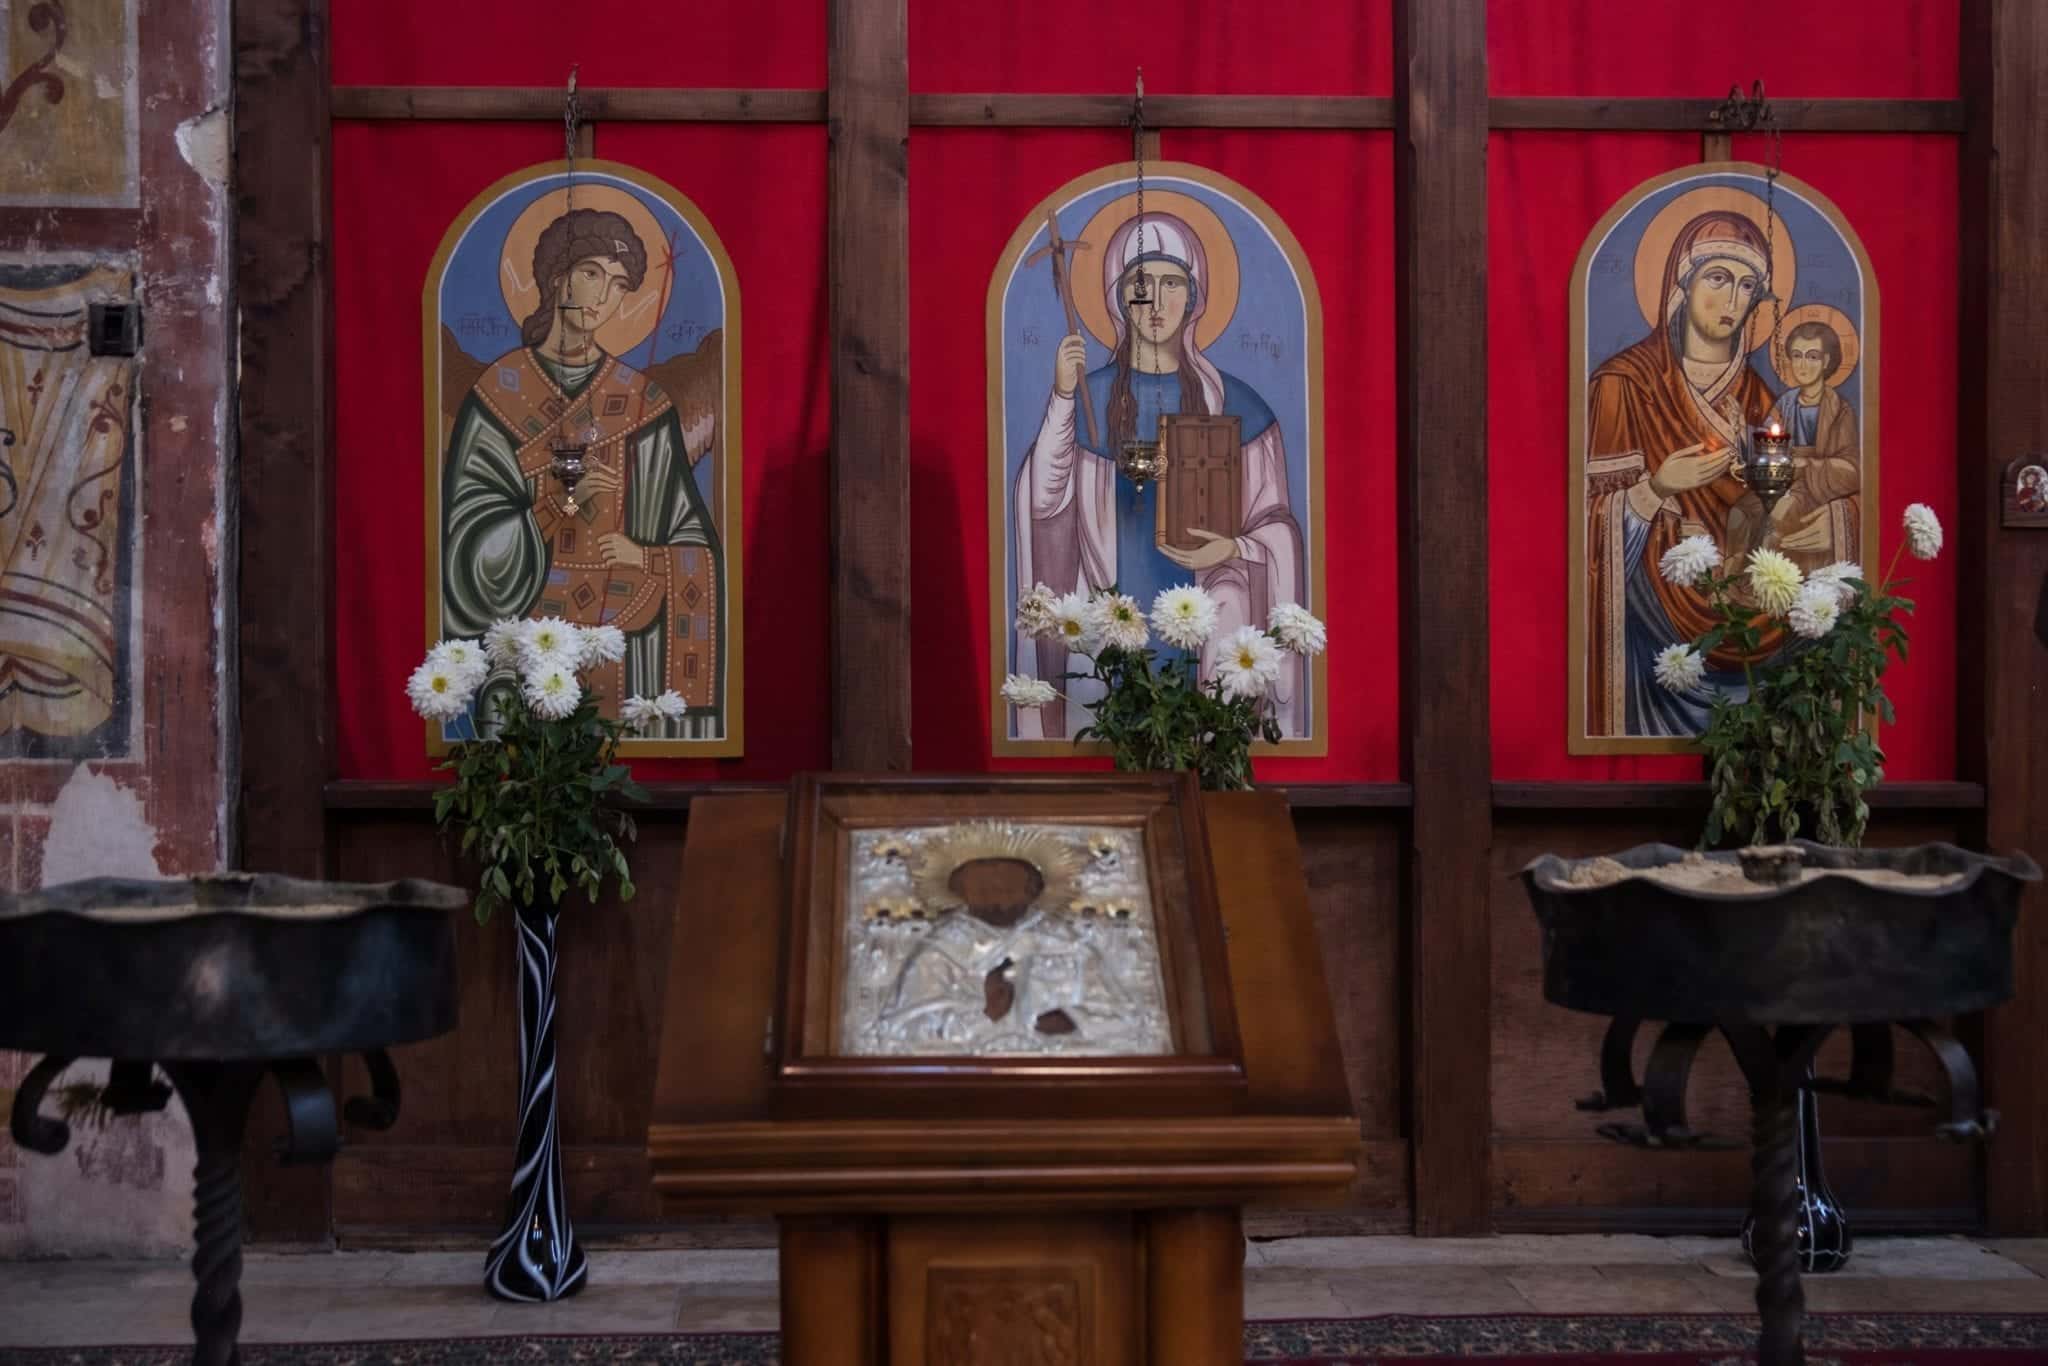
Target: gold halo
<point>1220,288</point>
<point>1845,333</point>
<point>628,327</point>
<point>1663,230</point>
<point>950,848</point>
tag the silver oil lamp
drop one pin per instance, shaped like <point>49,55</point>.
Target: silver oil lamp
<point>1767,470</point>
<point>566,466</point>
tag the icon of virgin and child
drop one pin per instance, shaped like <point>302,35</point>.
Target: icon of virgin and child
<point>1157,294</point>
<point>1668,415</point>
<point>635,542</point>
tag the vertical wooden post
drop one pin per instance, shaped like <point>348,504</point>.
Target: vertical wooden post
<point>868,106</point>
<point>2003,600</point>
<point>1440,117</point>
<point>832,1292</point>
<point>282,284</point>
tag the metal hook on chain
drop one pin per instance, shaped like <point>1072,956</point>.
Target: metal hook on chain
<point>1140,292</point>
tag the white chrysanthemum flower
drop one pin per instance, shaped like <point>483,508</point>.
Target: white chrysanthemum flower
<point>1248,664</point>
<point>1118,621</point>
<point>1923,531</point>
<point>671,705</point>
<point>601,645</point>
<point>553,691</point>
<point>639,712</point>
<point>1038,613</point>
<point>439,692</point>
<point>501,642</point>
<point>548,643</point>
<point>1680,668</point>
<point>1774,580</point>
<point>1073,621</point>
<point>1021,690</point>
<point>1298,628</point>
<point>1184,617</point>
<point>1836,576</point>
<point>1684,564</point>
<point>1816,609</point>
<point>463,658</point>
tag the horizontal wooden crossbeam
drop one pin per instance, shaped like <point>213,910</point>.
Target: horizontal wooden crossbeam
<point>621,104</point>
<point>1694,116</point>
<point>607,104</point>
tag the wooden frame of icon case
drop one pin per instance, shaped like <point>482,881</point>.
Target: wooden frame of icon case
<point>1027,945</point>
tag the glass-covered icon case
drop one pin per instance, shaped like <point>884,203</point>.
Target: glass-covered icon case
<point>1004,935</point>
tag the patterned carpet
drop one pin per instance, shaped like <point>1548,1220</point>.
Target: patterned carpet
<point>1517,1340</point>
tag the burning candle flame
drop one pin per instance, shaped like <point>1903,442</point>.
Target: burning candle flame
<point>1776,430</point>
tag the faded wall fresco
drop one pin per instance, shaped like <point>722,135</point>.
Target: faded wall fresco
<point>68,103</point>
<point>115,726</point>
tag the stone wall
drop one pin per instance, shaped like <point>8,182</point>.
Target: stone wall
<point>117,719</point>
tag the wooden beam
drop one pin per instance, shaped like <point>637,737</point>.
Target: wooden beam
<point>1609,796</point>
<point>1440,331</point>
<point>868,245</point>
<point>2003,599</point>
<point>1598,114</point>
<point>626,104</point>
<point>1161,111</point>
<point>604,104</point>
<point>359,797</point>
<point>284,517</point>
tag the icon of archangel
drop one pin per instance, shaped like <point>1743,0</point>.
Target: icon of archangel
<point>1196,325</point>
<point>586,323</point>
<point>1707,303</point>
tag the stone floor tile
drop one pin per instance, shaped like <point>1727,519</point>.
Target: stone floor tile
<point>1503,1250</point>
<point>1615,1289</point>
<point>94,1320</point>
<point>368,1313</point>
<point>685,1268</point>
<point>600,1308</point>
<point>1955,1259</point>
<point>1427,1290</point>
<point>1290,1294</point>
<point>2031,1253</point>
<point>1833,1294</point>
<point>321,1268</point>
<point>730,1308</point>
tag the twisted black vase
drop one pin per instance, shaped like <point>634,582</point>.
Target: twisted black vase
<point>537,1258</point>
<point>1823,1239</point>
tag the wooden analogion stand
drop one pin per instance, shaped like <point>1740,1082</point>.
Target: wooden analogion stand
<point>1006,1057</point>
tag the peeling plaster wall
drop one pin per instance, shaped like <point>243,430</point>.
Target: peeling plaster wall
<point>129,169</point>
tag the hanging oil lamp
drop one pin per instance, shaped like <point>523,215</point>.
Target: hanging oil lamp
<point>1138,460</point>
<point>566,465</point>
<point>568,449</point>
<point>1767,470</point>
<point>1141,461</point>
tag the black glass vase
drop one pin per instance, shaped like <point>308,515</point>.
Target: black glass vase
<point>1824,1239</point>
<point>536,1258</point>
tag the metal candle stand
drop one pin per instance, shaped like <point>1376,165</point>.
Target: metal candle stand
<point>220,982</point>
<point>1776,969</point>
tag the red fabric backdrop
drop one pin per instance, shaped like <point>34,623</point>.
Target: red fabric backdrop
<point>773,43</point>
<point>398,186</point>
<point>1898,49</point>
<point>1208,47</point>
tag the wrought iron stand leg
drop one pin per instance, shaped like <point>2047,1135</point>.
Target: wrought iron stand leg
<point>216,1097</point>
<point>1774,1202</point>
